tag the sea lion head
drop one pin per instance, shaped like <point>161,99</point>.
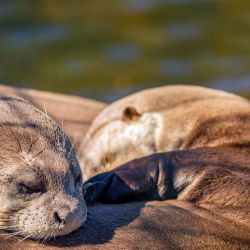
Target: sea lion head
<point>40,178</point>
<point>119,134</point>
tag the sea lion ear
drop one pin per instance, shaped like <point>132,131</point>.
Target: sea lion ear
<point>130,114</point>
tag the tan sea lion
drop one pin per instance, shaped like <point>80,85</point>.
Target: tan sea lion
<point>171,224</point>
<point>216,176</point>
<point>40,178</point>
<point>164,119</point>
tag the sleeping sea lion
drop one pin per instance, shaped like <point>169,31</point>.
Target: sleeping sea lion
<point>216,178</point>
<point>170,224</point>
<point>164,119</point>
<point>40,178</point>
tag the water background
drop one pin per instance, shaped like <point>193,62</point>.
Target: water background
<point>108,49</point>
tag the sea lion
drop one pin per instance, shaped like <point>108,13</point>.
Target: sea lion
<point>217,177</point>
<point>164,119</point>
<point>170,224</point>
<point>40,178</point>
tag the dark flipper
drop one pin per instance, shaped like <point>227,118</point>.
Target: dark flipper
<point>147,178</point>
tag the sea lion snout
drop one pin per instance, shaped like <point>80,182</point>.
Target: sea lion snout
<point>69,213</point>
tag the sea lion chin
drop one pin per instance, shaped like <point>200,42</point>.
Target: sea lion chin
<point>40,178</point>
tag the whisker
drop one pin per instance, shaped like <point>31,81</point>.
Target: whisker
<point>39,237</point>
<point>28,236</point>
<point>78,155</point>
<point>87,185</point>
<point>48,234</point>
<point>84,189</point>
<point>31,137</point>
<point>39,153</point>
<point>25,162</point>
<point>86,140</point>
<point>9,235</point>
<point>54,234</point>
<point>8,227</point>
<point>72,146</point>
<point>4,219</point>
<point>20,128</point>
<point>45,110</point>
<point>18,143</point>
<point>62,125</point>
<point>44,240</point>
<point>31,145</point>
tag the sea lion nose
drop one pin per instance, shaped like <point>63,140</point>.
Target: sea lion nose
<point>59,218</point>
<point>64,214</point>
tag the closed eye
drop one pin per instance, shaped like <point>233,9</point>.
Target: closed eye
<point>26,188</point>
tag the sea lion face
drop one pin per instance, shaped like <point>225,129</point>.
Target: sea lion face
<point>40,181</point>
<point>111,144</point>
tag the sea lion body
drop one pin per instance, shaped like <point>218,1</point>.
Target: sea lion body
<point>170,224</point>
<point>220,221</point>
<point>161,120</point>
<point>40,178</point>
<point>216,178</point>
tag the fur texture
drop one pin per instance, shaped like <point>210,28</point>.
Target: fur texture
<point>210,223</point>
<point>40,178</point>
<point>161,120</point>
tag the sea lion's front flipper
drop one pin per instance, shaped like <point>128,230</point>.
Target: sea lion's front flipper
<point>148,178</point>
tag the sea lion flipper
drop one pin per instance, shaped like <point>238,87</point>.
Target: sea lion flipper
<point>140,179</point>
<point>106,187</point>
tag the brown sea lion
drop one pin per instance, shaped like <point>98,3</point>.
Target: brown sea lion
<point>161,120</point>
<point>40,178</point>
<point>218,221</point>
<point>206,176</point>
<point>171,224</point>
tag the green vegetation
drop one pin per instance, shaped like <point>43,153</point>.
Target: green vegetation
<point>91,47</point>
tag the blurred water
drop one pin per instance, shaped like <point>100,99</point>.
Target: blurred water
<point>238,85</point>
<point>108,49</point>
<point>183,31</point>
<point>121,52</point>
<point>27,36</point>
